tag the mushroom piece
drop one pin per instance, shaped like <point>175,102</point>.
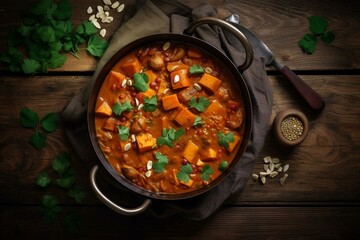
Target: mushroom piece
<point>235,119</point>
<point>157,62</point>
<point>138,125</point>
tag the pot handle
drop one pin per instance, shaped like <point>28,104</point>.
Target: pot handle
<point>112,205</point>
<point>249,54</point>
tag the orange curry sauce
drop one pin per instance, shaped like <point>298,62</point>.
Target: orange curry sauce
<point>169,118</point>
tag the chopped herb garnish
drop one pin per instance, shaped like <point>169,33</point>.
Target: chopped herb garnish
<point>43,179</point>
<point>77,194</point>
<point>150,104</point>
<point>124,132</point>
<point>169,136</point>
<point>224,140</point>
<point>140,82</point>
<point>223,165</point>
<point>49,122</point>
<point>206,172</point>
<point>28,118</point>
<point>196,69</point>
<point>50,208</point>
<point>38,139</point>
<point>61,163</point>
<point>162,161</point>
<point>118,108</point>
<point>200,105</point>
<point>198,121</point>
<point>183,174</point>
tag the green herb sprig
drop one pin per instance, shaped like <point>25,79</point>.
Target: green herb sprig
<point>169,136</point>
<point>31,119</point>
<point>318,27</point>
<point>46,34</point>
<point>200,104</point>
<point>183,174</point>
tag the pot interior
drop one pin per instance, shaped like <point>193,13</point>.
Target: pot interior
<point>237,83</point>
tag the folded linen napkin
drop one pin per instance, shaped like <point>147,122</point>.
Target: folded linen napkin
<point>149,19</point>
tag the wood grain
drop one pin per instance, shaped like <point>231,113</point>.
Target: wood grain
<point>330,223</point>
<point>271,20</point>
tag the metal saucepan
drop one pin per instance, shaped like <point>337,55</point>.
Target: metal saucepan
<point>206,47</point>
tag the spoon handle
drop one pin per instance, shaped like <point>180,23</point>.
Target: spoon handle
<point>312,98</point>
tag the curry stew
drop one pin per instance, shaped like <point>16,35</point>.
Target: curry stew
<point>169,118</point>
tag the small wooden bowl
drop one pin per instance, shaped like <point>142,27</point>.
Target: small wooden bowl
<point>290,127</point>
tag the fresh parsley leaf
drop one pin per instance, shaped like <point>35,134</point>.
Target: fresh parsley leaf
<point>328,37</point>
<point>30,66</point>
<point>49,122</point>
<point>223,165</point>
<point>308,43</point>
<point>77,194</point>
<point>38,140</point>
<point>169,136</point>
<point>43,180</point>
<point>317,25</point>
<point>50,208</point>
<point>96,46</point>
<point>63,10</point>
<point>118,108</point>
<point>206,172</point>
<point>196,69</point>
<point>183,174</point>
<point>13,58</point>
<point>140,82</point>
<point>67,180</point>
<point>224,140</point>
<point>28,118</point>
<point>162,161</point>
<point>44,33</point>
<point>124,133</point>
<point>198,121</point>
<point>61,163</point>
<point>200,105</point>
<point>150,104</point>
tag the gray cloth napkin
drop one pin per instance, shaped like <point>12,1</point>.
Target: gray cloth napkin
<point>149,19</point>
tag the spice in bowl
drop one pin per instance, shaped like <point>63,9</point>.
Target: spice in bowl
<point>290,127</point>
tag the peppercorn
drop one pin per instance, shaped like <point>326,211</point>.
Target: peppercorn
<point>292,128</point>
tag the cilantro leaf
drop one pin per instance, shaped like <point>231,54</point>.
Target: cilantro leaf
<point>317,25</point>
<point>140,82</point>
<point>223,165</point>
<point>96,46</point>
<point>49,122</point>
<point>30,66</point>
<point>183,174</point>
<point>224,140</point>
<point>150,104</point>
<point>13,58</point>
<point>43,179</point>
<point>61,163</point>
<point>206,172</point>
<point>63,10</point>
<point>162,161</point>
<point>328,37</point>
<point>72,222</point>
<point>200,105</point>
<point>28,118</point>
<point>118,108</point>
<point>67,180</point>
<point>196,69</point>
<point>308,43</point>
<point>169,136</point>
<point>124,133</point>
<point>77,194</point>
<point>38,140</point>
<point>198,121</point>
<point>50,208</point>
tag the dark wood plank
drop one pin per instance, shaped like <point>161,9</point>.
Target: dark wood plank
<point>328,223</point>
<point>279,23</point>
<point>323,168</point>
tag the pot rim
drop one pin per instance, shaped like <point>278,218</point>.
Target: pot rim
<point>179,38</point>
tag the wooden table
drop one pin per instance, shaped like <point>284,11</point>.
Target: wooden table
<point>321,197</point>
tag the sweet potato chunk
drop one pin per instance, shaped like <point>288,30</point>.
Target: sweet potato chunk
<point>180,79</point>
<point>187,93</point>
<point>233,144</point>
<point>115,78</point>
<point>131,67</point>
<point>151,75</point>
<point>170,102</point>
<point>208,155</point>
<point>174,66</point>
<point>210,82</point>
<point>190,151</point>
<point>110,124</point>
<point>185,118</point>
<point>145,142</point>
<point>188,183</point>
<point>215,108</point>
<point>149,93</point>
<point>104,110</point>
